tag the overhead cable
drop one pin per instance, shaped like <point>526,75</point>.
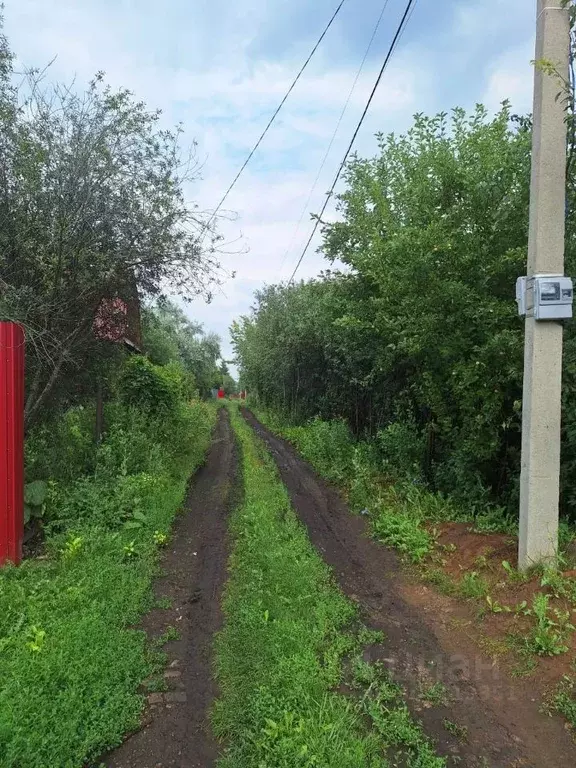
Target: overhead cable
<point>400,29</point>
<point>275,114</point>
<point>336,129</point>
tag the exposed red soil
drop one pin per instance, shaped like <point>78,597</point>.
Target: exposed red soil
<point>429,637</point>
<point>176,732</point>
<point>462,550</point>
<point>472,547</point>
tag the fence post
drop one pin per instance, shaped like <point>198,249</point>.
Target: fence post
<point>11,442</point>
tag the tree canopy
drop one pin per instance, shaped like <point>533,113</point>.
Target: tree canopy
<point>92,209</point>
<point>418,343</point>
<point>169,336</point>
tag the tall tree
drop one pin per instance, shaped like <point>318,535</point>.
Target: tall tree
<point>91,209</point>
<point>170,336</point>
<point>422,332</point>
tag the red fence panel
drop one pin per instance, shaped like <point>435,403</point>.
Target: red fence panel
<point>11,442</point>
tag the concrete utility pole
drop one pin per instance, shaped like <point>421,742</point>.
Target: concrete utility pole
<point>539,481</point>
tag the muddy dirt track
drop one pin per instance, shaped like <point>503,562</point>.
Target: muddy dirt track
<point>497,721</point>
<point>503,727</point>
<point>176,734</point>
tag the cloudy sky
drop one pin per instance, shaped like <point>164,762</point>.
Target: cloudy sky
<point>221,67</point>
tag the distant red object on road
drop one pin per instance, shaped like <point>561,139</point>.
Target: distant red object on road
<point>221,393</point>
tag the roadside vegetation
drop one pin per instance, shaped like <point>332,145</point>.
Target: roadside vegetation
<point>94,231</point>
<point>71,660</point>
<point>526,621</point>
<point>280,657</point>
<point>418,346</point>
<point>400,379</point>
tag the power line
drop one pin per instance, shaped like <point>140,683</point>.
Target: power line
<point>265,131</point>
<point>336,129</point>
<point>400,29</point>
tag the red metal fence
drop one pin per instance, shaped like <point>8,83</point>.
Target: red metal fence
<point>11,442</point>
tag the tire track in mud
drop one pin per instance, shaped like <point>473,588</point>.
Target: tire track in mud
<point>176,732</point>
<point>503,727</point>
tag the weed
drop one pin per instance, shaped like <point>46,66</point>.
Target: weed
<point>72,547</point>
<point>524,667</point>
<point>155,685</point>
<point>156,659</point>
<point>71,662</point>
<point>397,528</point>
<point>495,520</point>
<point>382,703</point>
<point>548,637</point>
<point>169,635</point>
<point>160,539</point>
<point>457,730</point>
<point>130,549</point>
<point>496,607</point>
<point>328,445</point>
<point>564,700</point>
<point>436,694</point>
<point>163,603</point>
<point>558,584</point>
<point>472,585</point>
<point>482,560</point>
<point>368,636</point>
<point>440,580</point>
<point>493,646</point>
<point>459,623</point>
<point>36,639</point>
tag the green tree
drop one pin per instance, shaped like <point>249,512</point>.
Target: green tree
<point>91,208</point>
<point>419,342</point>
<point>170,336</point>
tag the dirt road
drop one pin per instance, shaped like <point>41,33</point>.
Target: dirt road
<point>489,720</point>
<point>176,734</point>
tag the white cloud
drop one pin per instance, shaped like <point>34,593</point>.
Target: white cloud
<point>193,61</point>
<point>511,77</point>
<point>481,19</point>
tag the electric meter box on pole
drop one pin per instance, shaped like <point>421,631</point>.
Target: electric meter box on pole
<point>545,297</point>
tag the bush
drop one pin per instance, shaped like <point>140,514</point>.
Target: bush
<point>138,451</point>
<point>152,388</point>
<point>63,448</point>
<point>402,449</point>
<point>398,527</point>
<point>328,445</point>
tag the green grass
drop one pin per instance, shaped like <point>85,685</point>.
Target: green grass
<point>279,658</point>
<point>71,662</point>
<point>383,704</point>
<point>435,694</point>
<point>564,700</point>
<point>398,525</point>
<point>457,730</point>
<point>399,508</point>
<point>473,586</point>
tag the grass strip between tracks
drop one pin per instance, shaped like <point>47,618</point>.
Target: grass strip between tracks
<point>288,631</point>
